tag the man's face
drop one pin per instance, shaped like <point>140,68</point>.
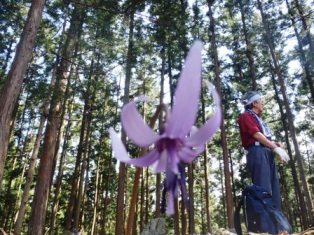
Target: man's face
<point>258,105</point>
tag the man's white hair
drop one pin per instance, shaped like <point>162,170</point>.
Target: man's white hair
<point>250,97</point>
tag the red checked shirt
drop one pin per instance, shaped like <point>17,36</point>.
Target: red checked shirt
<point>248,127</point>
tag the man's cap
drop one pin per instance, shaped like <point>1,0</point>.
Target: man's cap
<point>251,96</point>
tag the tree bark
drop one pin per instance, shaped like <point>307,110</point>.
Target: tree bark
<point>77,169</point>
<point>13,83</point>
<point>176,217</point>
<point>66,104</point>
<point>77,216</point>
<point>30,175</point>
<point>208,214</point>
<point>191,199</point>
<point>146,196</point>
<point>103,184</point>
<point>8,202</point>
<point>119,230</point>
<point>284,184</point>
<point>10,198</point>
<point>37,219</point>
<point>31,170</point>
<point>142,204</point>
<point>73,213</point>
<point>304,61</point>
<point>214,54</point>
<point>86,125</point>
<point>160,126</point>
<point>249,48</point>
<point>106,203</point>
<point>305,190</point>
<point>133,202</point>
<point>297,189</point>
<point>55,202</point>
<point>208,221</point>
<point>96,199</point>
<point>306,29</point>
<point>183,217</point>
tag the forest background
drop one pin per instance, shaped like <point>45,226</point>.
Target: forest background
<point>66,69</point>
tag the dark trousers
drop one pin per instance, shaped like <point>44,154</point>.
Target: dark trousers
<point>261,165</point>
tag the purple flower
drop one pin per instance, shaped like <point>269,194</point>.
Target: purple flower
<point>181,142</point>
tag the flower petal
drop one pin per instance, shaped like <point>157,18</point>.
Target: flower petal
<point>209,128</point>
<point>173,161</point>
<point>121,154</point>
<point>161,164</point>
<point>187,94</point>
<point>170,203</point>
<point>135,127</point>
<point>118,148</point>
<point>187,155</point>
<point>171,185</point>
<point>145,160</point>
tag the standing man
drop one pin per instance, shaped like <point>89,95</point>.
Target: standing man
<point>257,140</point>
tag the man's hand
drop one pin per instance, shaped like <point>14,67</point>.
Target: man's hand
<point>282,154</point>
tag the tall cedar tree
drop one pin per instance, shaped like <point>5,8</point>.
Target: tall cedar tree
<point>39,206</point>
<point>214,54</point>
<point>278,71</point>
<point>13,83</point>
<point>301,52</point>
<point>122,168</point>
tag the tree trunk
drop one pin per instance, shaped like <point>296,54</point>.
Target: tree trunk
<point>191,199</point>
<point>31,171</point>
<point>81,190</point>
<point>122,168</point>
<point>169,62</point>
<point>55,203</point>
<point>30,175</point>
<point>66,104</point>
<point>304,61</point>
<point>106,203</point>
<point>306,29</point>
<point>232,179</point>
<point>208,222</point>
<point>96,199</point>
<point>142,204</point>
<point>76,173</point>
<point>183,217</point>
<point>160,126</point>
<point>100,222</point>
<point>8,201</point>
<point>11,199</point>
<point>285,190</point>
<point>146,196</point>
<point>305,190</point>
<point>133,202</point>
<point>176,217</point>
<point>13,83</point>
<point>86,128</point>
<point>229,198</point>
<point>297,189</point>
<point>223,194</point>
<point>45,173</point>
<point>248,49</point>
<point>75,185</point>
